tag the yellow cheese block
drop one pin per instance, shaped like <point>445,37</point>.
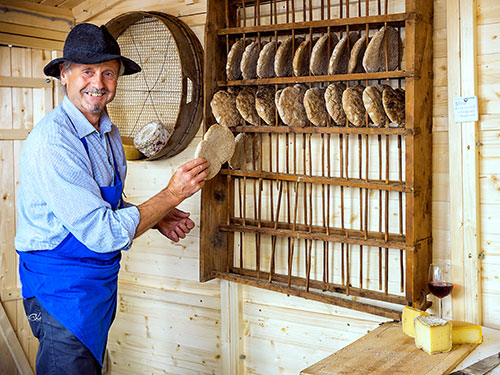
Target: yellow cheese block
<point>432,334</point>
<point>131,153</point>
<point>466,333</point>
<point>408,318</point>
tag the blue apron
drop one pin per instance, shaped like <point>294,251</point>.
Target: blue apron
<point>76,285</point>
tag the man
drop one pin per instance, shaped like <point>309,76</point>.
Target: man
<point>72,222</point>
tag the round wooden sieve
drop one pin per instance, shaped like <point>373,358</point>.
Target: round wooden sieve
<point>169,88</point>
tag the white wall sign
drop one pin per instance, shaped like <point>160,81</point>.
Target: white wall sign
<point>466,109</point>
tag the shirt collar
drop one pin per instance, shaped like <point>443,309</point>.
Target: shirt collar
<point>82,125</point>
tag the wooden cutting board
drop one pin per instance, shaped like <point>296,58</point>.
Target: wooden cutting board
<point>387,350</point>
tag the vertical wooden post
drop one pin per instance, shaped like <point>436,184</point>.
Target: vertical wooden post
<point>231,328</point>
<point>418,56</point>
<point>465,244</point>
<point>214,244</point>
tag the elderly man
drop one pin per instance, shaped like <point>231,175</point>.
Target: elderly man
<point>72,221</point>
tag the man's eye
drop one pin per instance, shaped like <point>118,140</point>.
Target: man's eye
<point>110,75</point>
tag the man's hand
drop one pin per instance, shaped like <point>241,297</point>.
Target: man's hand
<point>175,225</point>
<point>188,179</point>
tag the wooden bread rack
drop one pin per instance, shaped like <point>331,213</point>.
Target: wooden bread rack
<point>337,214</point>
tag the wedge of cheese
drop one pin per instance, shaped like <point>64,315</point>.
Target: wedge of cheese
<point>408,318</point>
<point>466,333</point>
<point>432,334</point>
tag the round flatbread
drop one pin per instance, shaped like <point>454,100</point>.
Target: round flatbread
<point>301,59</point>
<point>245,103</point>
<point>233,65</point>
<point>249,60</point>
<point>246,150</point>
<point>265,104</point>
<point>374,58</point>
<point>394,105</point>
<point>265,62</point>
<point>151,139</point>
<point>291,106</point>
<point>372,100</point>
<point>357,52</point>
<point>314,104</point>
<point>352,102</point>
<point>217,147</point>
<point>224,109</point>
<point>207,151</point>
<point>340,54</point>
<point>333,101</point>
<point>283,64</point>
<point>320,54</point>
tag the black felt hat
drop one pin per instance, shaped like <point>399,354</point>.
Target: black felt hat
<point>90,44</point>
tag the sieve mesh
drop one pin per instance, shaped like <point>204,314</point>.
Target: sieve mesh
<point>155,93</point>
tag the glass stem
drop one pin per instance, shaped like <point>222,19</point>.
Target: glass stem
<point>440,307</point>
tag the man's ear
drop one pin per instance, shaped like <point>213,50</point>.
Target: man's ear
<point>63,75</point>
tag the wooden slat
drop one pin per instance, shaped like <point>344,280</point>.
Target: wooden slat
<point>36,32</point>
<point>26,41</point>
<point>91,8</point>
<point>32,20</point>
<point>13,134</point>
<point>340,238</point>
<point>470,150</point>
<point>230,328</point>
<point>26,82</point>
<point>353,182</point>
<point>320,285</point>
<point>313,295</point>
<point>377,21</point>
<point>10,294</point>
<point>321,130</point>
<point>15,350</point>
<point>45,10</point>
<point>464,171</point>
<point>325,78</point>
<point>214,200</point>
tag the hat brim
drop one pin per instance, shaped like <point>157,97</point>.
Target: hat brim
<point>130,67</point>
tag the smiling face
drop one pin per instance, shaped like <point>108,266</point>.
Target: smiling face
<point>91,87</point>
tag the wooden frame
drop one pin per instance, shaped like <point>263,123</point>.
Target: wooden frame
<point>219,223</point>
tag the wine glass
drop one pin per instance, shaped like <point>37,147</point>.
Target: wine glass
<point>438,283</point>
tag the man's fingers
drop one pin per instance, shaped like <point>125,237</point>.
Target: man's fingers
<point>189,223</point>
<point>192,164</point>
<point>180,233</point>
<point>173,236</point>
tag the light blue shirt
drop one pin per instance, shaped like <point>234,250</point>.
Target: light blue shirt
<point>59,188</point>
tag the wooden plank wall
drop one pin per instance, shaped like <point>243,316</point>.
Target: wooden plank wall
<point>167,321</point>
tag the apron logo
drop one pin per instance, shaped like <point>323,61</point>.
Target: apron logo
<point>35,317</point>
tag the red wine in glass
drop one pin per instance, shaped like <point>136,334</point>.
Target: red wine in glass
<point>440,288</point>
<point>439,284</point>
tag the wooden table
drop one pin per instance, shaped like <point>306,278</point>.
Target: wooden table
<point>387,350</point>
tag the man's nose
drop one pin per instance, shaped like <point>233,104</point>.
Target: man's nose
<point>98,81</point>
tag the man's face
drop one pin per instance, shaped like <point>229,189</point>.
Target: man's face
<point>91,87</point>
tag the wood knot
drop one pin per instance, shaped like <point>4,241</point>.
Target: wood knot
<point>219,196</point>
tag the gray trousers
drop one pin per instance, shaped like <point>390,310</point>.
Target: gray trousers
<point>60,352</point>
